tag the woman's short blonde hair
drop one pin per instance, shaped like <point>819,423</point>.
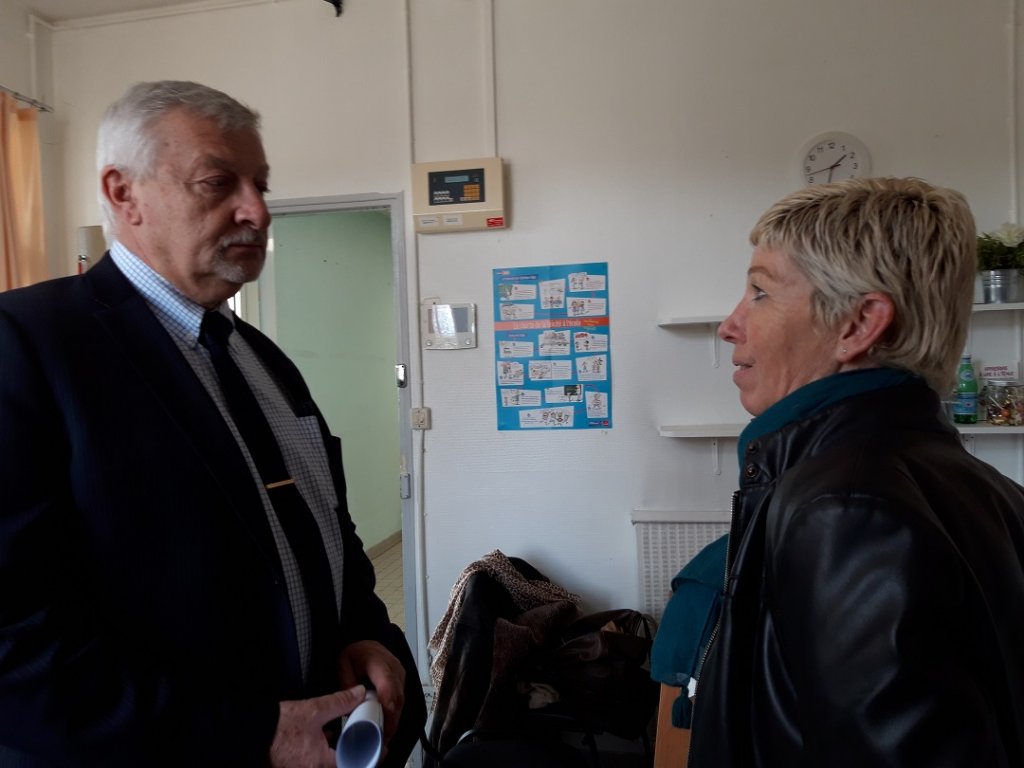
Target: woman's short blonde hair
<point>902,237</point>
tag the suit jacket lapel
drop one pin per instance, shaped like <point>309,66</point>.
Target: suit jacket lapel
<point>176,389</point>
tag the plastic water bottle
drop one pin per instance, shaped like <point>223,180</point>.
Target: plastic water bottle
<point>965,406</point>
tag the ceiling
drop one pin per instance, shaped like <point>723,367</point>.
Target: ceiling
<point>66,10</point>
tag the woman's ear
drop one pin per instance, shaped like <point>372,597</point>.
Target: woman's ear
<point>871,317</point>
<point>116,187</point>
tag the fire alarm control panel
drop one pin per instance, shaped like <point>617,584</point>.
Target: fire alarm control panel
<point>458,195</point>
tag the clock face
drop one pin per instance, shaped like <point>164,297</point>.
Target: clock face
<point>834,156</point>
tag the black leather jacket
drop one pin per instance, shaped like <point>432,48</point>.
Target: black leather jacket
<point>874,606</point>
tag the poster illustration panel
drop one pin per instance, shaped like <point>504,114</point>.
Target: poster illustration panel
<point>552,347</point>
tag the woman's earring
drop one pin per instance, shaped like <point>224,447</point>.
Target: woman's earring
<point>842,350</point>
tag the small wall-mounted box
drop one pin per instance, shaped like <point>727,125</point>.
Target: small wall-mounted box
<point>458,195</point>
<point>448,326</point>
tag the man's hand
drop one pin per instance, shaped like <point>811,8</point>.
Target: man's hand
<point>299,741</point>
<point>369,661</point>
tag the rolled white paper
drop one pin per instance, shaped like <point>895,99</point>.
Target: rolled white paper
<point>360,742</point>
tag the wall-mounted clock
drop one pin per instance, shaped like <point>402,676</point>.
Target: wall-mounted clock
<point>833,156</point>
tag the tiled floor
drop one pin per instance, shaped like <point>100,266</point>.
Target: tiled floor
<point>388,565</point>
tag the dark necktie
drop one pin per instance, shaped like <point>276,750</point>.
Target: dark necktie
<point>295,517</point>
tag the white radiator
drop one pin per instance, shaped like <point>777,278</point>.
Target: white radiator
<point>665,542</point>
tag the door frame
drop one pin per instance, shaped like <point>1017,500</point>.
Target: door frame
<point>255,307</point>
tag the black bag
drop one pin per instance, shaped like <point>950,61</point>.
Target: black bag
<point>601,671</point>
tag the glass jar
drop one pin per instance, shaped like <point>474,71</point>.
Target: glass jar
<point>1004,403</point>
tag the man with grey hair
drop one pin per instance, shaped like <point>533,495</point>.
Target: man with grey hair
<point>180,580</point>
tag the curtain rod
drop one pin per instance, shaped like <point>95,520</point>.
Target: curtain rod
<point>23,98</point>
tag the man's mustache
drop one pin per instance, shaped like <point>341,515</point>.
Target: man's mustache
<point>250,237</point>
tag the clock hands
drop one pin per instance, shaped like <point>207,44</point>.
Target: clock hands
<point>831,156</point>
<point>829,168</point>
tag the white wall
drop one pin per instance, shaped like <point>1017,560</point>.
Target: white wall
<point>648,134</point>
<point>15,60</point>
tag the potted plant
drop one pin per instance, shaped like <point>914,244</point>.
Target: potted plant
<point>1001,263</point>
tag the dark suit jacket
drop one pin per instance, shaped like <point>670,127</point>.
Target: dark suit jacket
<point>143,613</point>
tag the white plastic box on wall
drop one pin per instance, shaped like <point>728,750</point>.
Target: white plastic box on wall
<point>458,195</point>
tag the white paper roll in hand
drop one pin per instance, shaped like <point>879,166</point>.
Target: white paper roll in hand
<point>360,742</point>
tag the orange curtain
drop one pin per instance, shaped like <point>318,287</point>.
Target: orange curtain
<point>22,238</point>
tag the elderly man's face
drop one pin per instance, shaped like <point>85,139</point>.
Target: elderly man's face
<point>778,347</point>
<point>200,219</point>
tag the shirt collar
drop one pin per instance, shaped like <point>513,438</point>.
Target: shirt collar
<point>179,314</point>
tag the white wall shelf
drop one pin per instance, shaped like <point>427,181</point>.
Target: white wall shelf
<point>705,322</point>
<point>997,307</point>
<point>734,430</point>
<point>682,322</point>
<point>701,430</point>
<point>716,432</point>
<point>984,428</point>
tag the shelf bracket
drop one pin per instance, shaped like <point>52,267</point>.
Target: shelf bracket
<point>968,441</point>
<point>715,344</point>
<point>716,457</point>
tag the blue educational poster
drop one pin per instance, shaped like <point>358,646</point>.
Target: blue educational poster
<point>552,348</point>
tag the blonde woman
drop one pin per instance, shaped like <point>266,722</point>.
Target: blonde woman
<point>874,607</point>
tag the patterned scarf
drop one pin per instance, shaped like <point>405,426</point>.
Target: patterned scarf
<point>525,593</point>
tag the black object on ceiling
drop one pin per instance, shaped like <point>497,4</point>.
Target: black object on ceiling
<point>337,6</point>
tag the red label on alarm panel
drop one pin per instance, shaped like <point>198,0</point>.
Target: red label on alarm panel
<point>495,221</point>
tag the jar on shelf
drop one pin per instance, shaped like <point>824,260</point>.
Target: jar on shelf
<point>1004,403</point>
